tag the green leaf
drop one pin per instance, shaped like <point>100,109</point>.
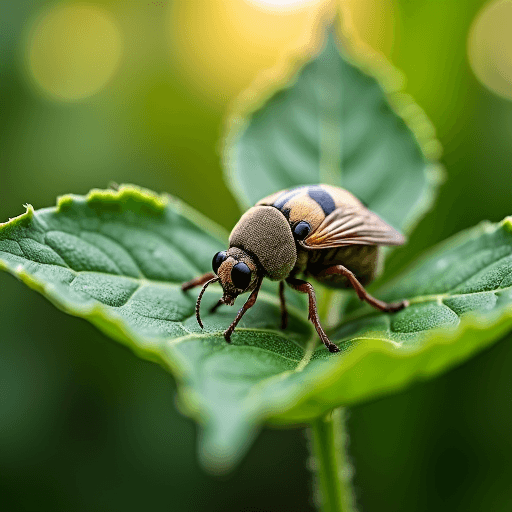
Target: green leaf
<point>117,259</point>
<point>333,123</point>
<point>461,302</point>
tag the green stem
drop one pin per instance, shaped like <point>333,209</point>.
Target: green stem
<point>333,491</point>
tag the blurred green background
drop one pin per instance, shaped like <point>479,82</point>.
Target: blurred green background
<point>138,92</point>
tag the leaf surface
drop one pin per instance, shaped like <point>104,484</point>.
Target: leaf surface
<point>117,259</point>
<point>460,301</point>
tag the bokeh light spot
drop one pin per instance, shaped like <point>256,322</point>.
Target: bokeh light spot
<point>490,47</point>
<point>374,22</point>
<point>283,4</point>
<point>73,51</point>
<point>219,47</point>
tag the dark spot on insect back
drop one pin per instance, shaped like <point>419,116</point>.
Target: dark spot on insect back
<point>301,230</point>
<point>285,197</point>
<point>323,198</point>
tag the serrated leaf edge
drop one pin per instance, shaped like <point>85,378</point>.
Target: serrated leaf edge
<point>123,192</point>
<point>24,217</point>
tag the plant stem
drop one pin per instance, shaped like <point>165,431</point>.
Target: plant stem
<point>328,445</point>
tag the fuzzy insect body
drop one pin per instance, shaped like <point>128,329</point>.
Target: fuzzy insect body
<point>320,231</point>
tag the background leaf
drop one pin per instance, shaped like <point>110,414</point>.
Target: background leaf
<point>117,258</point>
<point>333,123</point>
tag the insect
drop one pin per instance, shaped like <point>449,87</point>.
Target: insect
<point>320,231</point>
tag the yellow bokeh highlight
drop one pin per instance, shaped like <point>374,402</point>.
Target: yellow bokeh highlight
<point>73,51</point>
<point>374,22</point>
<point>490,47</point>
<point>221,46</point>
<point>284,4</point>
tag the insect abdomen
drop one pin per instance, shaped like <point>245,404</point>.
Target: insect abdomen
<point>362,260</point>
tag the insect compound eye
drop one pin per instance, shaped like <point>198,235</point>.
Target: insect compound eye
<point>301,230</point>
<point>218,259</point>
<point>241,275</point>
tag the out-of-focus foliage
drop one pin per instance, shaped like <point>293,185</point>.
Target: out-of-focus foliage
<point>333,123</point>
<point>76,434</point>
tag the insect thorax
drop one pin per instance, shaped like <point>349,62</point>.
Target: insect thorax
<point>264,232</point>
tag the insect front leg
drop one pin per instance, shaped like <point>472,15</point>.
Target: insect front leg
<point>249,304</point>
<point>387,307</point>
<point>305,287</point>
<point>284,312</point>
<point>198,281</point>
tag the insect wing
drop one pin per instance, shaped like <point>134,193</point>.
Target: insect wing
<point>335,217</point>
<point>350,225</point>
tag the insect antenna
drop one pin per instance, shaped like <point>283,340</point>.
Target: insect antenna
<point>198,303</point>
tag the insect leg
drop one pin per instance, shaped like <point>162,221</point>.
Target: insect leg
<point>362,293</point>
<point>248,304</point>
<point>305,287</point>
<point>214,308</point>
<point>284,313</point>
<point>198,281</point>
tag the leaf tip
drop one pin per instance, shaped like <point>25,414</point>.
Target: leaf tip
<point>221,447</point>
<point>268,83</point>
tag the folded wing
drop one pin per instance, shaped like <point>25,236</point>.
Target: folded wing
<point>352,225</point>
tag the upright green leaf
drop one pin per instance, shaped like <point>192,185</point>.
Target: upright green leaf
<point>117,259</point>
<point>333,123</point>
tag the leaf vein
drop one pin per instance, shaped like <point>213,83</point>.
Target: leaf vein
<point>501,281</point>
<point>118,243</point>
<point>468,278</point>
<point>176,247</point>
